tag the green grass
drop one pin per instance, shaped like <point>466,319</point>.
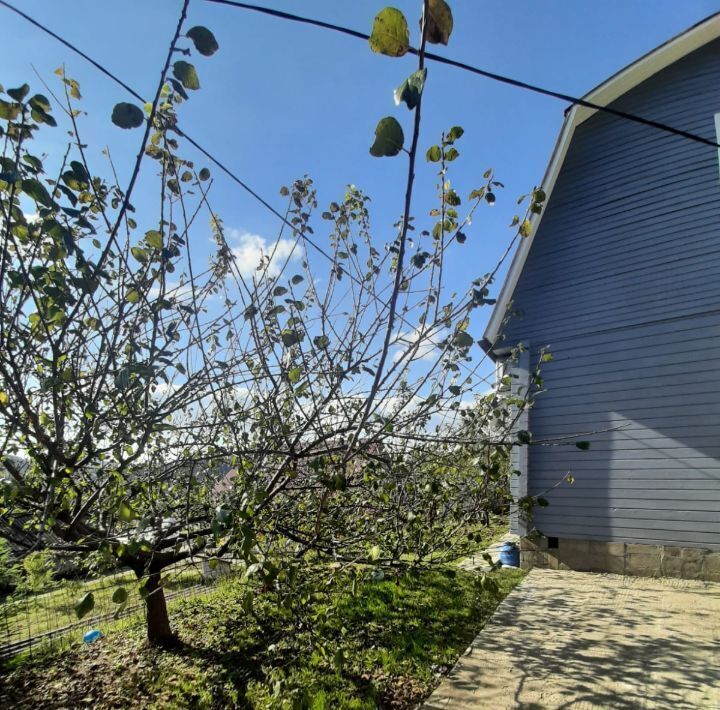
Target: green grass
<point>386,646</point>
<point>55,609</point>
<point>491,533</point>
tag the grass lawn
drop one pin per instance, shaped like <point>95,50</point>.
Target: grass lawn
<point>386,646</point>
<point>55,609</point>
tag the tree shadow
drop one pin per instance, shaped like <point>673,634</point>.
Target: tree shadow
<point>570,639</point>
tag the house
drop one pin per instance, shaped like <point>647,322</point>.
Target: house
<point>620,277</point>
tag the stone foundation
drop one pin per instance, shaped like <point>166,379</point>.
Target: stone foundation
<point>620,558</point>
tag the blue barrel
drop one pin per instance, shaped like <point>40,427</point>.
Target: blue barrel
<point>510,555</point>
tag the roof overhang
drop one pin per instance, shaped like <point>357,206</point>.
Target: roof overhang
<point>618,84</point>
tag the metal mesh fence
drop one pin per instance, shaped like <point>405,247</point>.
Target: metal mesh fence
<point>46,621</point>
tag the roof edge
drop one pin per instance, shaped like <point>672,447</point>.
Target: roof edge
<point>608,91</point>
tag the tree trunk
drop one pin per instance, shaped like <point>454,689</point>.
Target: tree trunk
<point>159,632</point>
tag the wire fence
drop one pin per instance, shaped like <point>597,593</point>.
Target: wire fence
<point>47,621</point>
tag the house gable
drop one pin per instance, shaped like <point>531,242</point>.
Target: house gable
<point>605,94</point>
<point>621,282</point>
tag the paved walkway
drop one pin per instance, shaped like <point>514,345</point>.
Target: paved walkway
<point>577,640</point>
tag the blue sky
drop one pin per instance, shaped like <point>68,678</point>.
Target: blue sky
<point>280,100</point>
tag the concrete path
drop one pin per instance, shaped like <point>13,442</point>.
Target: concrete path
<point>577,640</point>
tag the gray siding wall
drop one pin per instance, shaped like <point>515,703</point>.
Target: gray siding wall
<point>623,283</point>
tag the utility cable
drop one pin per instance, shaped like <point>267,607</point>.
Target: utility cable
<point>575,100</point>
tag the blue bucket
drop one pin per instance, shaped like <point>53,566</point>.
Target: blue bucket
<point>510,555</point>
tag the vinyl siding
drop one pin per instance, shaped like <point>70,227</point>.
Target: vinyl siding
<point>623,284</point>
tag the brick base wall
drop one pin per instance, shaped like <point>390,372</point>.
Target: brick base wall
<point>621,558</point>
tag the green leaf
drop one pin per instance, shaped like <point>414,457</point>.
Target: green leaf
<point>339,659</point>
<point>154,239</point>
<point>204,40</point>
<point>185,72</point>
<point>34,163</point>
<point>125,512</point>
<point>40,103</point>
<point>524,436</point>
<point>127,115</point>
<point>452,198</point>
<point>122,378</point>
<point>525,228</point>
<point>84,605</point>
<point>439,22</point>
<point>37,191</point>
<point>223,515</point>
<point>434,154</point>
<point>294,375</point>
<point>120,595</point>
<point>178,88</point>
<point>454,390</point>
<point>418,260</point>
<point>321,341</point>
<point>451,154</point>
<point>140,254</point>
<point>204,174</point>
<point>463,339</point>
<point>133,296</point>
<point>9,111</point>
<point>297,279</point>
<point>42,117</point>
<point>411,89</point>
<point>583,445</point>
<point>455,133</point>
<point>4,399</point>
<point>290,337</point>
<point>79,171</point>
<point>389,138</point>
<point>20,93</point>
<point>390,34</point>
<point>374,552</point>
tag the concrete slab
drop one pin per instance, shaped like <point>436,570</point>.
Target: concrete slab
<point>577,640</point>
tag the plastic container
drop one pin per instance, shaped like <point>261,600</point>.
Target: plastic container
<point>92,636</point>
<point>510,555</point>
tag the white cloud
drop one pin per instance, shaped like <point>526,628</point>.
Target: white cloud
<point>164,389</point>
<point>427,347</point>
<point>172,290</point>
<point>249,251</point>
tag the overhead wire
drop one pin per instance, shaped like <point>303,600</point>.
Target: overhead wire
<point>517,83</point>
